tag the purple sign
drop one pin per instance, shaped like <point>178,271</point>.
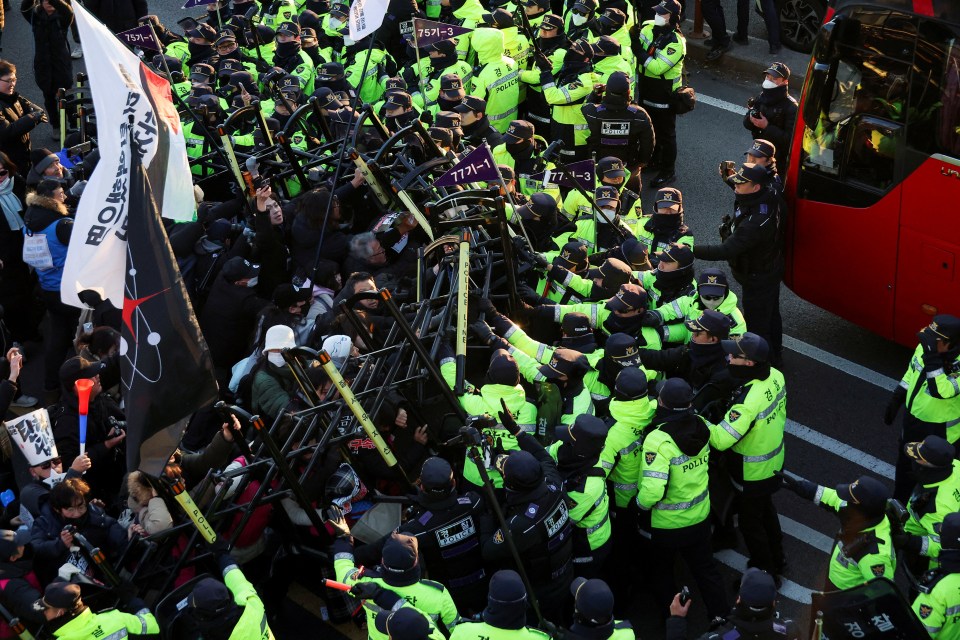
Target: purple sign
<point>478,166</point>
<point>140,37</point>
<point>196,3</point>
<point>576,174</point>
<point>428,32</point>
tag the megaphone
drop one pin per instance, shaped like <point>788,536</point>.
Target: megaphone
<point>83,387</point>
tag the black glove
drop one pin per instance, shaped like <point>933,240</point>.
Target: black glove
<point>445,351</point>
<point>483,331</point>
<point>507,419</point>
<point>928,340</point>
<point>40,116</point>
<point>651,319</point>
<point>219,547</point>
<point>543,62</point>
<point>366,590</point>
<point>486,307</point>
<point>897,398</point>
<point>528,295</point>
<point>557,273</point>
<point>803,488</point>
<point>539,260</point>
<point>426,117</point>
<point>501,324</point>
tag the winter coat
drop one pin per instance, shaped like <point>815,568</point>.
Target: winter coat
<point>49,551</point>
<point>52,65</point>
<point>118,15</point>
<point>16,123</point>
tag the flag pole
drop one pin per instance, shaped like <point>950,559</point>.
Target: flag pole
<point>509,195</point>
<point>416,50</point>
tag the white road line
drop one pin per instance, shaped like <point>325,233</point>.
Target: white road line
<point>845,451</point>
<point>840,364</point>
<point>722,104</point>
<point>805,534</point>
<point>788,588</point>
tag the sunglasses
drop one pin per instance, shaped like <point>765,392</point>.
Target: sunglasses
<point>49,463</point>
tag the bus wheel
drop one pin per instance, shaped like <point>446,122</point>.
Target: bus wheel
<point>800,22</point>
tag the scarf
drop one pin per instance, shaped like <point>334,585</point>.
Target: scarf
<point>11,205</point>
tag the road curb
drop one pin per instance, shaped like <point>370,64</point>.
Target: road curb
<point>750,59</point>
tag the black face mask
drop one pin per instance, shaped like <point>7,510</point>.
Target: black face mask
<point>199,50</point>
<point>287,49</point>
<point>740,372</point>
<point>80,522</point>
<point>521,149</point>
<point>666,222</point>
<point>930,475</point>
<point>241,9</point>
<point>442,61</point>
<point>668,280</point>
<point>395,123</point>
<point>701,354</point>
<point>447,105</point>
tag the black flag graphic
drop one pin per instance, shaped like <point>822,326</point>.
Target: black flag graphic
<point>166,366</point>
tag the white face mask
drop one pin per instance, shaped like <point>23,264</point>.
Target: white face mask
<point>769,84</point>
<point>348,41</point>
<point>578,20</point>
<point>252,282</point>
<point>275,359</point>
<point>335,24</point>
<point>712,304</point>
<point>660,21</point>
<point>606,216</point>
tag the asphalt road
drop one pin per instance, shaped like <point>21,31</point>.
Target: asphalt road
<point>839,376</point>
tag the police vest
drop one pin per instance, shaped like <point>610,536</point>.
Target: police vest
<point>450,541</point>
<point>673,485</point>
<point>944,407</point>
<point>46,260</point>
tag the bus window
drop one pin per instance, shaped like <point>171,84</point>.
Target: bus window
<point>873,151</point>
<point>934,107</point>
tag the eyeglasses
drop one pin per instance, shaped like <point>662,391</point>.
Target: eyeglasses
<point>9,80</point>
<point>49,463</point>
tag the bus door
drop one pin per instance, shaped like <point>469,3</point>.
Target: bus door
<point>852,157</point>
<point>927,278</point>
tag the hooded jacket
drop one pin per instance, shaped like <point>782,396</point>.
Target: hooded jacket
<point>620,457</point>
<point>498,80</point>
<point>100,529</point>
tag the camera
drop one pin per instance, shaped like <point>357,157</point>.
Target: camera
<point>117,427</point>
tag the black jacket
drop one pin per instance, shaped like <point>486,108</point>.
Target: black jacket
<point>780,109</point>
<point>228,321</point>
<point>619,128</point>
<point>118,15</point>
<point>50,552</point>
<point>754,248</point>
<point>19,589</point>
<point>52,65</point>
<point>18,117</point>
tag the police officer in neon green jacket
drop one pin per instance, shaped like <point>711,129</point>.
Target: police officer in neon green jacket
<point>502,383</point>
<point>577,452</point>
<point>664,227</point>
<point>673,494</point>
<point>399,572</point>
<point>572,258</point>
<point>505,616</point>
<point>466,14</point>
<point>712,293</point>
<point>864,549</point>
<point>565,92</point>
<point>622,313</point>
<point>631,410</point>
<point>230,609</point>
<point>496,78</point>
<point>937,493</point>
<point>69,619</point>
<point>938,605</point>
<point>522,151</point>
<point>671,279</point>
<point>931,390</point>
<point>751,437</point>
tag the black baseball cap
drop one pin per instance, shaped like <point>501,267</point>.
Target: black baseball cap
<point>622,347</point>
<point>405,623</point>
<point>712,282</point>
<point>713,322</point>
<point>451,87</point>
<point>398,100</point>
<point>441,135</point>
<point>950,531</point>
<point>573,255</point>
<point>669,197</point>
<point>499,19</point>
<point>202,73</point>
<point>668,7</point>
<point>471,103</point>
<point>289,29</point>
<point>551,21</point>
<point>565,362</point>
<point>751,172</point>
<point>945,327</point>
<point>675,393</point>
<point>540,205</point>
<point>932,451</point>
<point>448,120</point>
<point>778,69</point>
<point>761,149</point>
<point>865,492</point>
<point>749,346</point>
<point>611,167</point>
<point>330,71</point>
<point>681,254</point>
<point>630,297</point>
<point>605,194</point>
<point>631,384</point>
<point>575,324</point>
<point>59,595</point>
<point>78,368</point>
<point>519,130</point>
<point>757,588</point>
<point>237,268</point>
<point>606,46</point>
<point>586,434</point>
<point>593,600</point>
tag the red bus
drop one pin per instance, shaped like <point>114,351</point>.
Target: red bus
<point>874,175</point>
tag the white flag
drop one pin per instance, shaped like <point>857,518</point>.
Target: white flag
<point>366,16</point>
<point>123,88</point>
